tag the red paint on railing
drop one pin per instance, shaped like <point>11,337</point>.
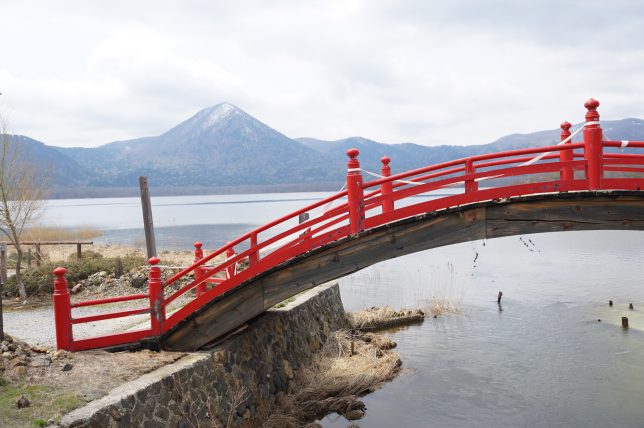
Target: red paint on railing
<point>386,188</point>
<point>62,311</point>
<point>286,238</point>
<point>565,155</point>
<point>157,308</point>
<point>201,288</point>
<point>354,192</point>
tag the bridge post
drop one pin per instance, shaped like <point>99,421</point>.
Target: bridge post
<point>386,188</point>
<point>566,155</point>
<point>230,270</point>
<point>355,193</point>
<point>155,289</point>
<point>471,185</point>
<point>201,288</point>
<point>593,145</point>
<point>62,311</point>
<point>253,257</point>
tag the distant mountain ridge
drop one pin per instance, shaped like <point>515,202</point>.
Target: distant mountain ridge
<point>224,147</point>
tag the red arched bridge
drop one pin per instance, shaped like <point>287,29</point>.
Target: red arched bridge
<point>569,186</point>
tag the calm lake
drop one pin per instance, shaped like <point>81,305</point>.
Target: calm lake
<point>541,359</point>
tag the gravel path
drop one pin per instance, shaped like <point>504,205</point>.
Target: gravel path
<point>36,325</point>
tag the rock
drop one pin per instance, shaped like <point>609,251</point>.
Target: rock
<point>7,354</point>
<point>354,415</point>
<point>60,353</point>
<point>77,288</point>
<point>288,369</point>
<point>22,402</point>
<point>20,371</point>
<point>39,350</point>
<point>41,361</point>
<point>4,347</point>
<point>67,367</point>
<point>115,414</point>
<point>139,281</point>
<point>19,362</point>
<point>102,274</point>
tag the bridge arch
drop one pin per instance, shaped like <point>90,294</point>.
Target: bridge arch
<point>552,212</point>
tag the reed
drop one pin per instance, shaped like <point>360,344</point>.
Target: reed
<point>348,366</point>
<point>59,233</point>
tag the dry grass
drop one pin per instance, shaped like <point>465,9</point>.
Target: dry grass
<point>59,233</point>
<point>348,366</point>
<point>377,318</point>
<point>442,305</point>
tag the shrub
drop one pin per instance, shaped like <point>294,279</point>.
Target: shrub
<point>41,279</point>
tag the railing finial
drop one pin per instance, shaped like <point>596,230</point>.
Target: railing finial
<point>353,158</point>
<point>591,105</point>
<point>565,125</point>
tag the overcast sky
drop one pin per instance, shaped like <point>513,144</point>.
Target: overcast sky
<point>79,73</point>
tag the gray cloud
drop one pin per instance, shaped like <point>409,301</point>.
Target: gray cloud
<point>431,72</point>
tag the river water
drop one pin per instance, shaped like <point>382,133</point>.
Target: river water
<point>553,354</point>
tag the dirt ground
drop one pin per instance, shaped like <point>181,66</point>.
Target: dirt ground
<point>55,382</point>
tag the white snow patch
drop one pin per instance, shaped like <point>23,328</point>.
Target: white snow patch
<point>217,113</point>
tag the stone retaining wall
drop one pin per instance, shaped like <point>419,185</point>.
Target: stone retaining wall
<point>230,382</point>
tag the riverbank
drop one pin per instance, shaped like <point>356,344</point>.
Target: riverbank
<point>323,367</point>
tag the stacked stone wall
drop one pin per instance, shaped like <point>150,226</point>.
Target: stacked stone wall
<point>230,382</point>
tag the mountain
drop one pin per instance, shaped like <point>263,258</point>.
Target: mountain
<point>60,169</point>
<point>219,146</point>
<point>223,148</point>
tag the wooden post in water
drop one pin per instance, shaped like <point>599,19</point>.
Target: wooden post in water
<point>630,306</point>
<point>498,299</point>
<point>146,205</point>
<point>624,322</point>
<point>610,303</point>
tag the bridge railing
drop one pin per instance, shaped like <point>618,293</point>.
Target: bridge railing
<point>564,167</point>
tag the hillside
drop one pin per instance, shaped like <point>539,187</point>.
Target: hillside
<point>225,148</point>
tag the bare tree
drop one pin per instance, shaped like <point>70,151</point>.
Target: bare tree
<point>23,190</point>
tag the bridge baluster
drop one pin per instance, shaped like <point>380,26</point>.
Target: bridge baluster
<point>386,188</point>
<point>253,258</point>
<point>201,288</point>
<point>471,185</point>
<point>232,269</point>
<point>355,194</point>
<point>155,290</point>
<point>62,311</point>
<point>593,150</point>
<point>566,155</point>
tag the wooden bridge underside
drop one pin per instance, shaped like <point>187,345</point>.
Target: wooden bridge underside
<point>602,210</point>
